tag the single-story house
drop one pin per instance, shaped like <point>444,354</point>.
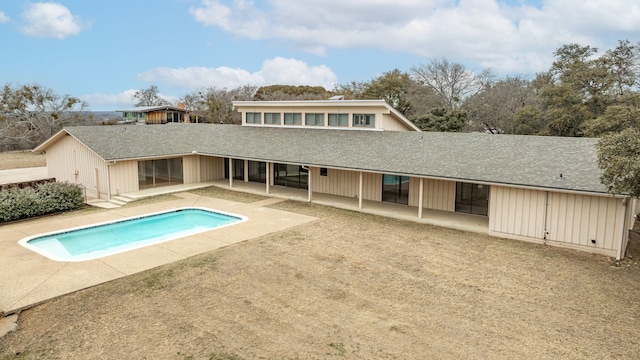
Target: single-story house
<point>154,115</point>
<point>534,188</point>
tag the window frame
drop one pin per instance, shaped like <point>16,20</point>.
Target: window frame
<point>253,118</point>
<point>338,117</point>
<point>291,118</point>
<point>364,120</point>
<point>269,118</point>
<point>316,116</point>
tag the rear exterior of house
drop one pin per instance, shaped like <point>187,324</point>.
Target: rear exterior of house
<point>538,189</point>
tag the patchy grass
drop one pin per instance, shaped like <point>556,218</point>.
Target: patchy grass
<point>350,286</point>
<point>21,159</point>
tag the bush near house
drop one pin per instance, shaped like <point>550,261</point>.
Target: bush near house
<point>16,204</point>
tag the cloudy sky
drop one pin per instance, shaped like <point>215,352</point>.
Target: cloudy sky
<point>104,50</point>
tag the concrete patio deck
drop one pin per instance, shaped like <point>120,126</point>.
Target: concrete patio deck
<point>27,278</point>
<point>452,220</point>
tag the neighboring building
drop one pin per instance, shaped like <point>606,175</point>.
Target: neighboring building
<point>534,188</point>
<point>154,115</point>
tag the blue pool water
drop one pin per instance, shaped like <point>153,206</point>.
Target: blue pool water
<point>92,242</point>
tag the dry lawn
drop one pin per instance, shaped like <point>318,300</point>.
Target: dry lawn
<point>350,286</point>
<point>21,159</point>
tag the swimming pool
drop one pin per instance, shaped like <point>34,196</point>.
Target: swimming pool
<point>109,238</point>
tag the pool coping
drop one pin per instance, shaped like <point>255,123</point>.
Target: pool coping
<point>28,278</point>
<point>100,254</point>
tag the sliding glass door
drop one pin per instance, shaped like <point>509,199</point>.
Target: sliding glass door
<point>294,176</point>
<point>395,189</point>
<point>472,198</point>
<point>161,172</point>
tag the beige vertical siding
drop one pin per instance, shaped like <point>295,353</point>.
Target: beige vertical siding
<point>211,168</point>
<point>571,219</point>
<point>517,211</point>
<point>124,177</point>
<point>390,123</point>
<point>191,169</point>
<point>346,183</point>
<point>577,219</point>
<point>437,194</point>
<point>70,161</point>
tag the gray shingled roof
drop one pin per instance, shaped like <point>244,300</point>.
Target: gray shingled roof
<point>535,161</point>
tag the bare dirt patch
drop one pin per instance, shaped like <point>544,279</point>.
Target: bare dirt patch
<point>21,159</point>
<point>350,286</point>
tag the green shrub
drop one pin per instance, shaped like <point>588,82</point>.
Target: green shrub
<point>16,204</point>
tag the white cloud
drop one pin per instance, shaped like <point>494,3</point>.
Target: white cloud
<point>279,70</point>
<point>49,19</point>
<point>3,18</point>
<point>491,33</point>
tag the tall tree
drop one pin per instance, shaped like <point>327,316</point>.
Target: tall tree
<point>149,97</point>
<point>580,86</point>
<point>215,105</point>
<point>493,109</point>
<point>290,92</point>
<point>392,87</point>
<point>29,114</point>
<point>619,159</point>
<point>451,82</point>
<point>442,120</point>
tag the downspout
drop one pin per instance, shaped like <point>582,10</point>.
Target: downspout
<point>109,163</point>
<point>546,214</point>
<point>623,209</point>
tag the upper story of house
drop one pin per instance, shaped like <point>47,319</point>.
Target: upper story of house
<point>334,114</point>
<point>154,115</point>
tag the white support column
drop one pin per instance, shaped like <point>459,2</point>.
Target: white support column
<point>267,175</point>
<point>230,172</point>
<point>246,171</point>
<point>360,192</point>
<point>420,198</point>
<point>309,184</point>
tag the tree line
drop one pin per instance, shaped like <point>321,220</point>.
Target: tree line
<point>583,93</point>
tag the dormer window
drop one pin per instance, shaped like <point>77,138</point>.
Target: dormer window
<point>314,119</point>
<point>272,118</point>
<point>366,120</point>
<point>253,118</point>
<point>338,119</point>
<point>293,118</point>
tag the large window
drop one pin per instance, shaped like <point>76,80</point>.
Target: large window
<point>314,119</point>
<point>395,189</point>
<point>272,118</point>
<point>152,173</point>
<point>253,118</point>
<point>472,198</point>
<point>290,176</point>
<point>238,169</point>
<point>338,119</point>
<point>175,116</point>
<point>257,171</point>
<point>293,118</point>
<point>368,120</point>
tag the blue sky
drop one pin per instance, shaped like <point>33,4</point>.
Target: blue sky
<point>103,51</point>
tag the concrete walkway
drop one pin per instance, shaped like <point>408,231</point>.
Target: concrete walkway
<point>27,278</point>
